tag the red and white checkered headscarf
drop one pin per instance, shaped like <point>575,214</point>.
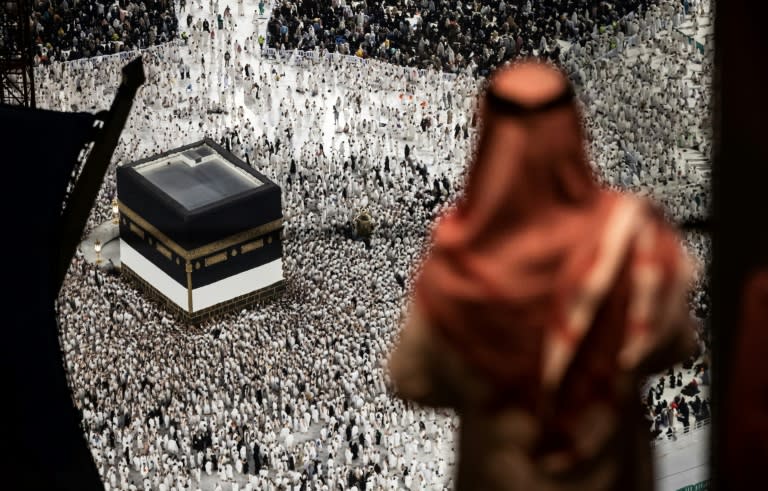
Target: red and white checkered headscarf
<point>521,266</point>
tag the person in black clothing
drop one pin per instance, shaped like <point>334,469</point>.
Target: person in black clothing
<point>451,36</point>
<point>256,458</point>
<point>696,405</point>
<point>76,31</point>
<point>704,410</point>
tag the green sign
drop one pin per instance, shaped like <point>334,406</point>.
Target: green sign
<point>701,486</point>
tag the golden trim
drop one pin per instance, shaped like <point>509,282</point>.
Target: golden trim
<point>236,239</point>
<point>251,246</point>
<point>218,258</point>
<point>164,251</point>
<point>136,230</point>
<point>206,249</point>
<point>188,269</point>
<point>161,237</point>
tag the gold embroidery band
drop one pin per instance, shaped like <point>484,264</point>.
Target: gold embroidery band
<point>164,251</point>
<point>251,246</point>
<point>161,237</point>
<point>218,258</point>
<point>206,249</point>
<point>136,230</point>
<point>236,239</point>
<point>188,269</point>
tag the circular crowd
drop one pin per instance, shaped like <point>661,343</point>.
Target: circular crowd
<point>292,393</point>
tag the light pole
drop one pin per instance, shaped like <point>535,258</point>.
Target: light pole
<point>97,248</point>
<point>115,212</point>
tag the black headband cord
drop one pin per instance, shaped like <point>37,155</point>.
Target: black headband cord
<point>509,107</point>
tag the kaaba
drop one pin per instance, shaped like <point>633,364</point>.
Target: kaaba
<point>200,230</point>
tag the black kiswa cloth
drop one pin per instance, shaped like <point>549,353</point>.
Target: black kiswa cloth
<point>41,428</point>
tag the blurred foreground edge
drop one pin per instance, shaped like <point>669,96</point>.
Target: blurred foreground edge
<point>740,249</point>
<point>43,224</point>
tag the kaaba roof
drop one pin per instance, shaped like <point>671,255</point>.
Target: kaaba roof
<point>198,193</point>
<point>198,177</point>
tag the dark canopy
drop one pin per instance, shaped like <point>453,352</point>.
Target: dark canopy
<point>42,427</point>
<point>45,212</point>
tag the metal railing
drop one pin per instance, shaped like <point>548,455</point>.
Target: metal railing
<point>687,433</point>
<point>156,50</point>
<point>316,56</point>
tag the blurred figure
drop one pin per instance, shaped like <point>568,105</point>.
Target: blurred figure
<point>745,408</point>
<point>543,303</point>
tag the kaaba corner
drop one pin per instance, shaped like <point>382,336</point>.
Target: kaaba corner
<point>200,231</point>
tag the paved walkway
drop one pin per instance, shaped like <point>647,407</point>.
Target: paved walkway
<point>108,234</point>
